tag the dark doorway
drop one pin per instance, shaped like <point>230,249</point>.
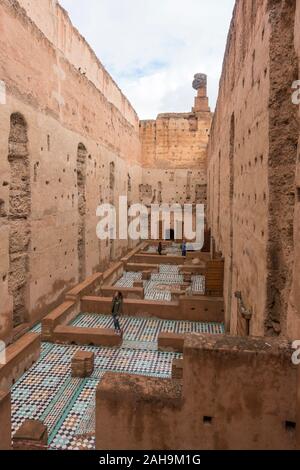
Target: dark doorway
<point>170,234</point>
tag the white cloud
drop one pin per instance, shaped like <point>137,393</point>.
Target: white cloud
<point>153,48</point>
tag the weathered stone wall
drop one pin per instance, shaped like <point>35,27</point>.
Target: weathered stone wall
<point>294,305</point>
<point>236,394</point>
<point>251,165</point>
<point>5,419</point>
<point>55,23</point>
<point>174,150</point>
<point>49,187</point>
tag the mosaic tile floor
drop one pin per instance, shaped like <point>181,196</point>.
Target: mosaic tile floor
<point>157,287</point>
<point>146,330</point>
<point>65,404</point>
<point>36,329</point>
<point>128,279</point>
<point>198,284</point>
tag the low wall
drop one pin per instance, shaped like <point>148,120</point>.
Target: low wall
<point>240,393</point>
<point>86,336</point>
<point>134,423</point>
<point>203,257</point>
<point>5,420</point>
<point>131,307</point>
<point>63,314</point>
<point>113,274</point>
<point>132,253</point>
<point>203,309</point>
<point>197,270</point>
<point>170,342</point>
<point>20,356</point>
<point>91,286</point>
<point>157,259</point>
<point>237,393</point>
<point>128,292</point>
<point>138,267</point>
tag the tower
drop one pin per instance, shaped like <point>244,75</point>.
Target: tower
<point>201,100</point>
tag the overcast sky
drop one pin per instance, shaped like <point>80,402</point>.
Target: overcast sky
<point>153,48</point>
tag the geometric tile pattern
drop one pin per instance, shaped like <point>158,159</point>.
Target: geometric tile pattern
<point>128,279</point>
<point>157,287</point>
<point>168,269</point>
<point>67,405</point>
<point>37,328</point>
<point>146,329</point>
<point>153,292</point>
<point>198,284</point>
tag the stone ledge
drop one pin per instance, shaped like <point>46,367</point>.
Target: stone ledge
<point>32,435</point>
<point>113,273</point>
<point>170,342</point>
<point>62,314</point>
<point>128,292</point>
<point>86,336</point>
<point>200,308</point>
<point>133,252</point>
<point>20,356</point>
<point>137,388</point>
<point>5,420</point>
<point>89,286</point>
<point>241,345</point>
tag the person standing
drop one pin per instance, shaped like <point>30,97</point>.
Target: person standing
<point>160,248</point>
<point>117,307</point>
<point>183,248</point>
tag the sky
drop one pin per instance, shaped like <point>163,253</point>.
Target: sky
<point>153,48</point>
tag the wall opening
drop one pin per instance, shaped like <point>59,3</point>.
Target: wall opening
<point>170,234</point>
<point>19,214</point>
<point>248,327</point>
<point>2,208</point>
<point>81,187</point>
<point>207,420</point>
<point>290,426</point>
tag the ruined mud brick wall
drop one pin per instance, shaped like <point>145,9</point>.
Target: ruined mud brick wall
<point>294,301</point>
<point>69,140</point>
<point>5,420</point>
<point>229,385</point>
<point>251,166</point>
<point>174,150</point>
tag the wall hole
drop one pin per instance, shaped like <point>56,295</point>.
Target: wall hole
<point>207,420</point>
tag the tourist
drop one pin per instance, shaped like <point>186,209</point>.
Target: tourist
<point>160,248</point>
<point>117,307</point>
<point>183,248</point>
